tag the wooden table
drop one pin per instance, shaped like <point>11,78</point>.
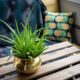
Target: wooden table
<point>59,62</point>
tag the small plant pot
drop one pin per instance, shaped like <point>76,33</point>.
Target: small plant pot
<point>27,66</point>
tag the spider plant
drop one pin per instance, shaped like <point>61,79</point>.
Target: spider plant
<point>25,44</point>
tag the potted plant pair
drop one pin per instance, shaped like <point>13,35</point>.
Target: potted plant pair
<point>25,47</point>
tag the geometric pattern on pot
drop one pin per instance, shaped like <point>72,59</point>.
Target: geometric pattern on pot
<point>58,26</point>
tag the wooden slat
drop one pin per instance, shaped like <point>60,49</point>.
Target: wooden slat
<point>77,79</point>
<point>46,57</point>
<point>50,48</point>
<point>52,66</point>
<point>64,74</point>
<point>6,69</point>
<point>57,46</point>
<point>5,60</point>
<point>59,53</point>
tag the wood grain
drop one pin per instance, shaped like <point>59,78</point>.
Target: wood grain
<point>50,48</point>
<point>64,74</point>
<point>57,46</point>
<point>60,53</point>
<point>77,79</point>
<point>5,60</point>
<point>50,67</point>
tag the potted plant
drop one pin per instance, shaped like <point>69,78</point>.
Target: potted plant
<point>26,47</point>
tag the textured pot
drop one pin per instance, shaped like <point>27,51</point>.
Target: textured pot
<point>27,66</point>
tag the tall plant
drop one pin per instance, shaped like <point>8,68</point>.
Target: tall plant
<point>25,44</point>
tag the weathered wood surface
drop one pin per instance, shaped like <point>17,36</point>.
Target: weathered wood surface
<point>61,61</point>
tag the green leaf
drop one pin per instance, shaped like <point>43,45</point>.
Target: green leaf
<point>25,42</point>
